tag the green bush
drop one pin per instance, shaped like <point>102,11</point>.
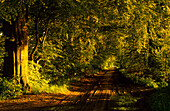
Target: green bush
<point>139,78</point>
<point>160,101</point>
<point>9,88</point>
<point>2,53</point>
<point>39,82</point>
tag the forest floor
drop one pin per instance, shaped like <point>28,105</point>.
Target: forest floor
<point>106,91</point>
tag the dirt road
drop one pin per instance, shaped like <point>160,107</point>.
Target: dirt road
<point>107,91</point>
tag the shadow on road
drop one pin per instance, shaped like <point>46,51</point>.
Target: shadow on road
<point>109,91</point>
<point>106,91</point>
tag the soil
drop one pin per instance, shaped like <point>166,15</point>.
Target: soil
<point>91,93</point>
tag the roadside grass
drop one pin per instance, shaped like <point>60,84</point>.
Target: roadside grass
<point>125,102</point>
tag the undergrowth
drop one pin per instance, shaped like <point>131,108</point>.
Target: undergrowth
<point>160,101</point>
<point>139,78</point>
<point>124,102</point>
<point>39,82</point>
<point>9,88</point>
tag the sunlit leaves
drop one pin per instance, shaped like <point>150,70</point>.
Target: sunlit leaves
<point>2,52</point>
<point>9,9</point>
<point>147,29</point>
<point>83,32</point>
<point>2,1</point>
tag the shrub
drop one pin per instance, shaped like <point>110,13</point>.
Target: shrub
<point>39,82</point>
<point>160,101</point>
<point>139,78</point>
<point>9,88</point>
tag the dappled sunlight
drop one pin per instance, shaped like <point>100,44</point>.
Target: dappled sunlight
<point>31,101</point>
<point>101,92</point>
<point>109,63</point>
<point>84,55</point>
<point>107,92</point>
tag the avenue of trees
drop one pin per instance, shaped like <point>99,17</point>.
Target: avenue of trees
<point>55,40</point>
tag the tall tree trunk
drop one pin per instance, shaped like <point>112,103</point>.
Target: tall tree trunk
<point>16,45</point>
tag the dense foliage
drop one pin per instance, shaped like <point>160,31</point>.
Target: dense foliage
<point>70,38</point>
<point>149,49</point>
<point>160,101</point>
<point>9,88</point>
<point>2,54</point>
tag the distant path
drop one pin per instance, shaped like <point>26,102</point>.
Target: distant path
<point>106,91</point>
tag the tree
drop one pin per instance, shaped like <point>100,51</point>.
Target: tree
<point>78,33</point>
<point>144,40</point>
<point>14,15</point>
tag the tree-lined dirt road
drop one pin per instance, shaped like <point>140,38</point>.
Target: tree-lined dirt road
<point>106,91</point>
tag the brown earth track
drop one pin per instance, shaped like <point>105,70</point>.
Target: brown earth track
<point>92,93</point>
<point>110,84</point>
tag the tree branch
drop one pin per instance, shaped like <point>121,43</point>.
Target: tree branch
<point>44,36</point>
<point>37,39</point>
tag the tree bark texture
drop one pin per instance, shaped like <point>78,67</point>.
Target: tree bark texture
<point>16,45</point>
